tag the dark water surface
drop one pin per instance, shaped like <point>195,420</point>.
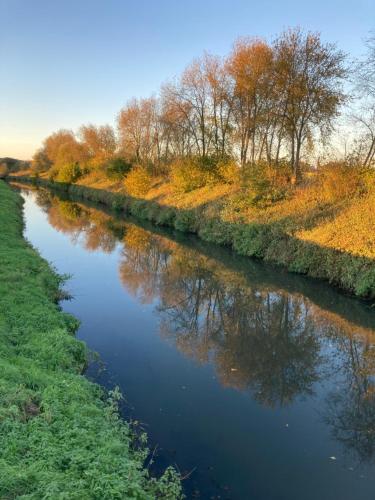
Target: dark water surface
<point>258,383</point>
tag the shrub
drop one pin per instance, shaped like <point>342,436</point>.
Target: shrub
<point>119,203</point>
<point>52,174</point>
<point>138,208</point>
<point>192,173</point>
<point>117,168</point>
<point>138,181</point>
<point>229,172</point>
<point>186,221</point>
<point>166,216</point>
<point>339,181</point>
<point>368,180</point>
<point>69,173</point>
<point>251,239</point>
<point>216,231</point>
<point>264,184</point>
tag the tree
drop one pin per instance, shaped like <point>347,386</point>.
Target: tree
<point>53,143</point>
<point>137,124</point>
<point>40,162</point>
<point>309,76</point>
<point>4,170</point>
<point>250,65</point>
<point>365,86</point>
<point>366,69</point>
<point>99,142</point>
<point>175,120</point>
<point>220,103</point>
<point>263,106</point>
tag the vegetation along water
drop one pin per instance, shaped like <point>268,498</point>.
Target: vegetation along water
<point>252,382</point>
<point>244,151</point>
<point>61,437</point>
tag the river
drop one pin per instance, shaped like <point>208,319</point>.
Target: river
<point>255,383</point>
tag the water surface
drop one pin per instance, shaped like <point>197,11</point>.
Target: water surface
<point>256,384</point>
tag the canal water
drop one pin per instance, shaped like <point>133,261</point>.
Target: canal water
<point>255,383</point>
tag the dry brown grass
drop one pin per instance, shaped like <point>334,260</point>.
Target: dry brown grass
<point>336,222</point>
<point>352,230</point>
<point>166,194</point>
<point>96,179</point>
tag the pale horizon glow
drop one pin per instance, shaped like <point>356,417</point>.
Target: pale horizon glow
<point>75,62</point>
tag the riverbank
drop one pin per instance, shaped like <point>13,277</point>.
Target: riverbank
<point>331,241</point>
<point>61,437</point>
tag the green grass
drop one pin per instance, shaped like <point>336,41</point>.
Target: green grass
<point>61,438</point>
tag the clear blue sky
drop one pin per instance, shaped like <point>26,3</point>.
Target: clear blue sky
<point>68,62</point>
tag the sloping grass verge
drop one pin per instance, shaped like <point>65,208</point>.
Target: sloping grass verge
<point>270,242</point>
<point>60,436</point>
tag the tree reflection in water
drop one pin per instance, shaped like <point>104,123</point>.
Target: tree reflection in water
<point>351,407</point>
<point>261,338</point>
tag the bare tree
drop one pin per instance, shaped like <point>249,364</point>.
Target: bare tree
<point>365,117</point>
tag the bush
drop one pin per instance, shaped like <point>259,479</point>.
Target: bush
<point>119,203</point>
<point>229,172</point>
<point>52,174</point>
<point>192,173</point>
<point>339,181</point>
<point>139,208</point>
<point>252,239</point>
<point>265,184</point>
<point>69,173</point>
<point>166,216</point>
<point>186,221</point>
<point>138,181</point>
<point>216,231</point>
<point>117,168</point>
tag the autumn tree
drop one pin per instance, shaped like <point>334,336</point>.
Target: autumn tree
<point>65,154</point>
<point>55,141</point>
<point>309,76</point>
<point>41,162</point>
<point>262,107</point>
<point>250,65</point>
<point>221,103</point>
<point>99,143</point>
<point>192,94</point>
<point>137,125</point>
<point>175,120</point>
<point>366,69</point>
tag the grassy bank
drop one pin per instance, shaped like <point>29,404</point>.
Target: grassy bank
<point>61,438</point>
<point>303,234</point>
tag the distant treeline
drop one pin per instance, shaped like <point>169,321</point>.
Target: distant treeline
<point>9,165</point>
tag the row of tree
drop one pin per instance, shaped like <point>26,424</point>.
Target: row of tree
<point>265,102</point>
